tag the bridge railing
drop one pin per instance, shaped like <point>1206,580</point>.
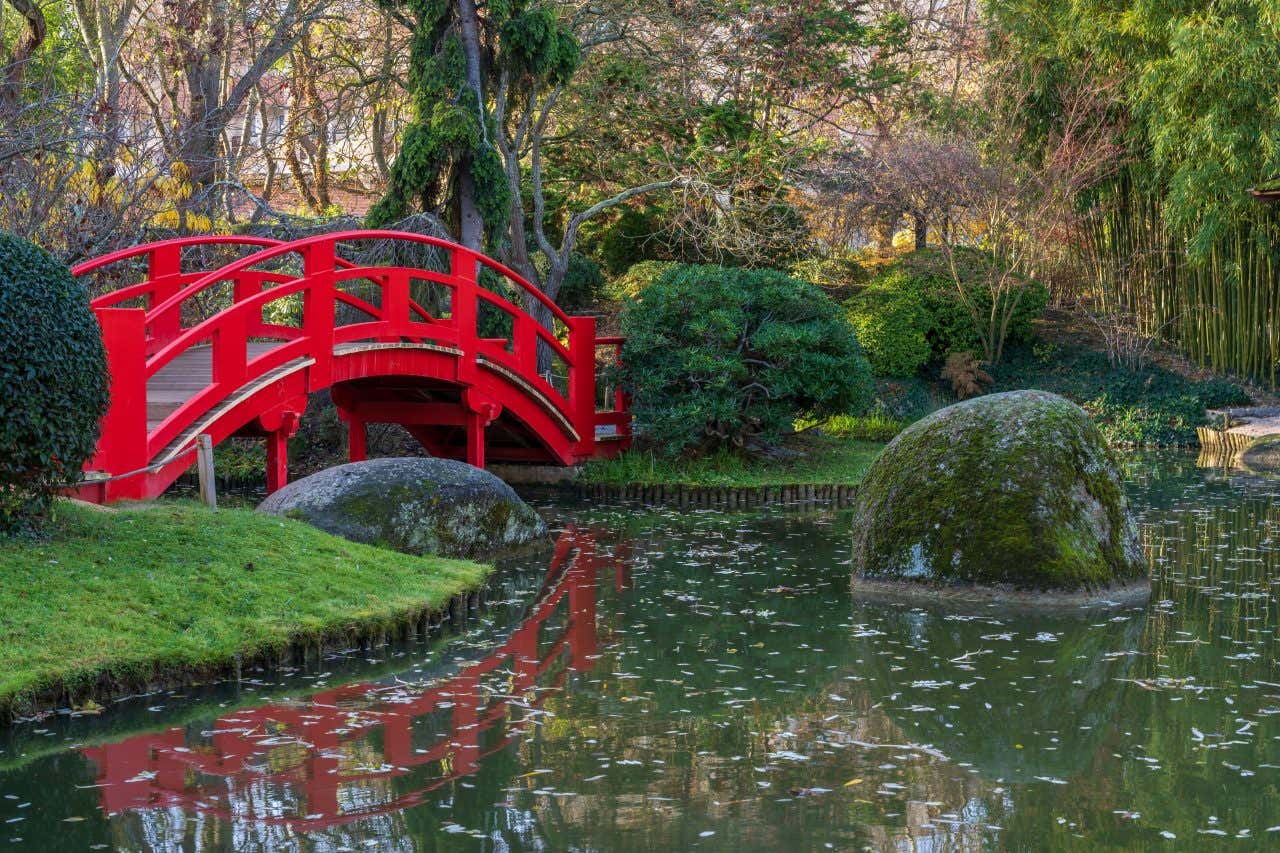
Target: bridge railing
<point>142,342</point>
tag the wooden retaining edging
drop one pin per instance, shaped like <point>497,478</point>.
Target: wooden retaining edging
<point>1223,442</point>
<point>719,498</point>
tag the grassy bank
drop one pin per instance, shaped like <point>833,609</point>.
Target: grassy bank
<point>822,461</point>
<point>121,598</point>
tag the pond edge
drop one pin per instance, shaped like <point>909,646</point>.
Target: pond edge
<point>702,497</point>
<point>300,650</point>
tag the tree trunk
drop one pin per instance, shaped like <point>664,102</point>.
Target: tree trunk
<point>470,225</point>
<point>13,64</point>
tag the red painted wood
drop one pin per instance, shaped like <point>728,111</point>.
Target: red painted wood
<point>122,447</point>
<point>357,438</point>
<point>254,367</point>
<point>277,460</point>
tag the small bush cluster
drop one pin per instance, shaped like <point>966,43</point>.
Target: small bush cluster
<point>583,285</point>
<point>1146,408</point>
<point>53,382</point>
<point>837,274</point>
<point>636,280</point>
<point>720,357</point>
<point>916,298</point>
<point>892,328</point>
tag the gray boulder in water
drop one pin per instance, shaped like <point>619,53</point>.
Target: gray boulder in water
<point>415,505</point>
<point>1015,490</point>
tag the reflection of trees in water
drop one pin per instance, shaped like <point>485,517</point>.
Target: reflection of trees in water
<point>723,644</point>
<point>344,765</point>
<point>984,688</point>
<point>1175,699</point>
<point>1005,698</point>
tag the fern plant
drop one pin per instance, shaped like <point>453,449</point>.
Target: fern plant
<point>965,374</point>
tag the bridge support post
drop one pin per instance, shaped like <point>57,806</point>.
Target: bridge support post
<point>357,439</point>
<point>280,427</point>
<point>475,439</point>
<point>480,413</point>
<point>277,461</point>
<point>582,383</point>
<point>123,446</point>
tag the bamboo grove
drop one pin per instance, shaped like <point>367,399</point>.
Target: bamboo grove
<point>1221,308</point>
<point>1172,240</point>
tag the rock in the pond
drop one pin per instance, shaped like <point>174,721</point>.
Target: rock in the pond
<point>1012,491</point>
<point>1262,456</point>
<point>420,506</point>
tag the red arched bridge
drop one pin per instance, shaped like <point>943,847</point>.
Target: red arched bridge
<point>456,355</point>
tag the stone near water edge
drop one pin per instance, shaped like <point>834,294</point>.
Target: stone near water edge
<point>1013,491</point>
<point>1262,456</point>
<point>415,505</point>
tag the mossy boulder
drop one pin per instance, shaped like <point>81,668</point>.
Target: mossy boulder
<point>1013,491</point>
<point>1263,456</point>
<point>419,506</point>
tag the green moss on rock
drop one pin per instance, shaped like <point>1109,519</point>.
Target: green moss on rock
<point>1263,456</point>
<point>1011,490</point>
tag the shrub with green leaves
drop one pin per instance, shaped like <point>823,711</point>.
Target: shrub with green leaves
<point>927,276</point>
<point>636,280</point>
<point>582,286</point>
<point>53,382</point>
<point>892,327</point>
<point>720,357</point>
<point>838,274</point>
<point>1152,407</point>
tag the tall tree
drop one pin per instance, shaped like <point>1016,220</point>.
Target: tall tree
<point>449,160</point>
<point>195,66</point>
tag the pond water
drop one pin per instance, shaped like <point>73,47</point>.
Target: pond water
<point>703,680</point>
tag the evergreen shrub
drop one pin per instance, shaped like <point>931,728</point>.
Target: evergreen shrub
<point>53,382</point>
<point>732,357</point>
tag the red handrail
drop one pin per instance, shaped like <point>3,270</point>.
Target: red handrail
<point>142,342</point>
<point>349,236</point>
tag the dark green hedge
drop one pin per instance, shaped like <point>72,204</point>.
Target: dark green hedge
<point>720,357</point>
<point>53,382</point>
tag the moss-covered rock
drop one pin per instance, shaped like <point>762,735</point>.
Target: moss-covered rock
<point>1263,456</point>
<point>1014,490</point>
<point>419,506</point>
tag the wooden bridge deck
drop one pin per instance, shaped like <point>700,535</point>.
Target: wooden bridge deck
<point>184,377</point>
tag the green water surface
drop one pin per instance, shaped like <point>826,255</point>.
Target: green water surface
<point>703,680</point>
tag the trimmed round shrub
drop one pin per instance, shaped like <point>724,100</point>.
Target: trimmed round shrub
<point>892,328</point>
<point>720,357</point>
<point>53,382</point>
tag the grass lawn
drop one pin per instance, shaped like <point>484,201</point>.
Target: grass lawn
<point>826,461</point>
<point>133,594</point>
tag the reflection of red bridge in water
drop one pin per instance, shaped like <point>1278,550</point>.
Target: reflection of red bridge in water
<point>313,742</point>
<point>453,355</point>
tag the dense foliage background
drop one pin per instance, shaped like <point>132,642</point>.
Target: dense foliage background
<point>963,177</point>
